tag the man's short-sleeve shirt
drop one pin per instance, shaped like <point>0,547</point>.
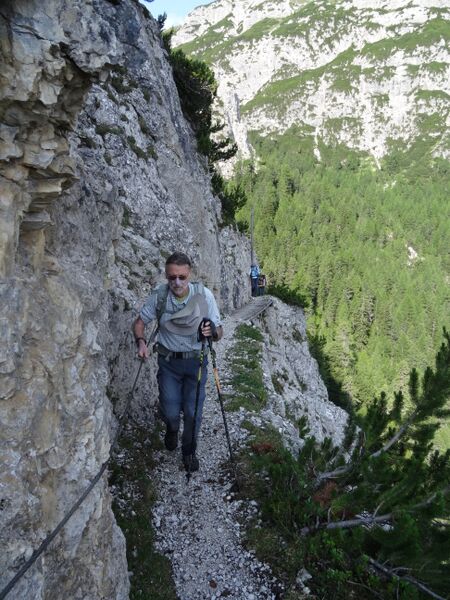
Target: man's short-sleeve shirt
<point>174,341</point>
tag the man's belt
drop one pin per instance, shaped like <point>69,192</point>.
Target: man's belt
<point>168,354</point>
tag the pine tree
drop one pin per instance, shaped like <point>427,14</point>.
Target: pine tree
<point>397,485</point>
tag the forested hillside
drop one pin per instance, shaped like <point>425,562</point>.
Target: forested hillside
<point>365,249</point>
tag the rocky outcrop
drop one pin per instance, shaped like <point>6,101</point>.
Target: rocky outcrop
<point>100,182</point>
<point>293,380</point>
<point>296,397</point>
<point>371,76</point>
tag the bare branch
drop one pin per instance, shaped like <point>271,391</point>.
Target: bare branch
<point>366,587</point>
<point>395,437</point>
<point>347,468</point>
<point>333,474</point>
<point>429,500</point>
<point>369,520</point>
<point>378,508</point>
<point>407,578</point>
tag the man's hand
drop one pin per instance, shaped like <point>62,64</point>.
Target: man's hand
<point>142,350</point>
<point>208,329</point>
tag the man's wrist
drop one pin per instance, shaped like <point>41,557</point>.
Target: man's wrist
<point>140,339</point>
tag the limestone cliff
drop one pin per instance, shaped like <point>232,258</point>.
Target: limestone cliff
<point>100,180</point>
<point>371,76</point>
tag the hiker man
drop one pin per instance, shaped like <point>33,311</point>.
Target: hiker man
<point>186,312</point>
<point>254,274</point>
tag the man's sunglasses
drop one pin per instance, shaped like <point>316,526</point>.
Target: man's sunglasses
<point>180,277</point>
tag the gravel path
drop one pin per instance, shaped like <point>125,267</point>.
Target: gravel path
<point>198,524</point>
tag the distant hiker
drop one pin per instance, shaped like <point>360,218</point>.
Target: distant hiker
<point>185,311</point>
<point>262,282</point>
<point>254,274</point>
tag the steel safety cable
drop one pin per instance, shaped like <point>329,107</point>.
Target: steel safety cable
<point>47,541</point>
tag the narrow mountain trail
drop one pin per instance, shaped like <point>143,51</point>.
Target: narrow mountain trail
<point>199,524</point>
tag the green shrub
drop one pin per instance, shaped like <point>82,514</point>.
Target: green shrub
<point>151,152</point>
<point>88,142</point>
<point>278,385</point>
<point>313,505</point>
<point>143,125</point>
<point>119,69</point>
<point>111,96</point>
<point>118,83</point>
<point>283,292</point>
<point>126,216</point>
<point>232,197</point>
<point>197,89</point>
<point>246,377</point>
<point>140,153</point>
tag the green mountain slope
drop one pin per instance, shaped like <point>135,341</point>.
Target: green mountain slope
<point>364,249</point>
<point>365,75</point>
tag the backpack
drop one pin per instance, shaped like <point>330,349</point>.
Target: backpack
<point>254,272</point>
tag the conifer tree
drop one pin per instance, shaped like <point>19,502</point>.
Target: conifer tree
<point>372,515</point>
<point>341,233</point>
<point>397,485</point>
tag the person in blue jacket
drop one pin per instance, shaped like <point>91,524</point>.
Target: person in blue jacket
<point>254,274</point>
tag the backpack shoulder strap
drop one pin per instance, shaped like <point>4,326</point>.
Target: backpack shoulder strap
<point>162,291</point>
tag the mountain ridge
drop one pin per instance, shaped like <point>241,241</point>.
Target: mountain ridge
<point>367,75</point>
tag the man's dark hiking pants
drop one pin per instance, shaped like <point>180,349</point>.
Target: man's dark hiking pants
<point>177,381</point>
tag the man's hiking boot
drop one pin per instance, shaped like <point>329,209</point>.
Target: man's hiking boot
<point>188,458</point>
<point>171,440</point>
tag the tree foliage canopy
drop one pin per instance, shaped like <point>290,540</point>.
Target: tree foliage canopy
<point>197,88</point>
<point>366,248</point>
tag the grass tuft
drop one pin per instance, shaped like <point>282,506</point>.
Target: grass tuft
<point>246,378</point>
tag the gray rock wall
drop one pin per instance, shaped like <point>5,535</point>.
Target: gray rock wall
<point>292,377</point>
<point>99,183</point>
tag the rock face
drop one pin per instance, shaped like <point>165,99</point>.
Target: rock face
<point>292,376</point>
<point>294,386</point>
<point>100,182</point>
<point>369,75</point>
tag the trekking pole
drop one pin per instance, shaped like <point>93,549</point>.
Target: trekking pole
<point>219,394</point>
<point>129,400</point>
<point>130,395</point>
<point>197,397</point>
